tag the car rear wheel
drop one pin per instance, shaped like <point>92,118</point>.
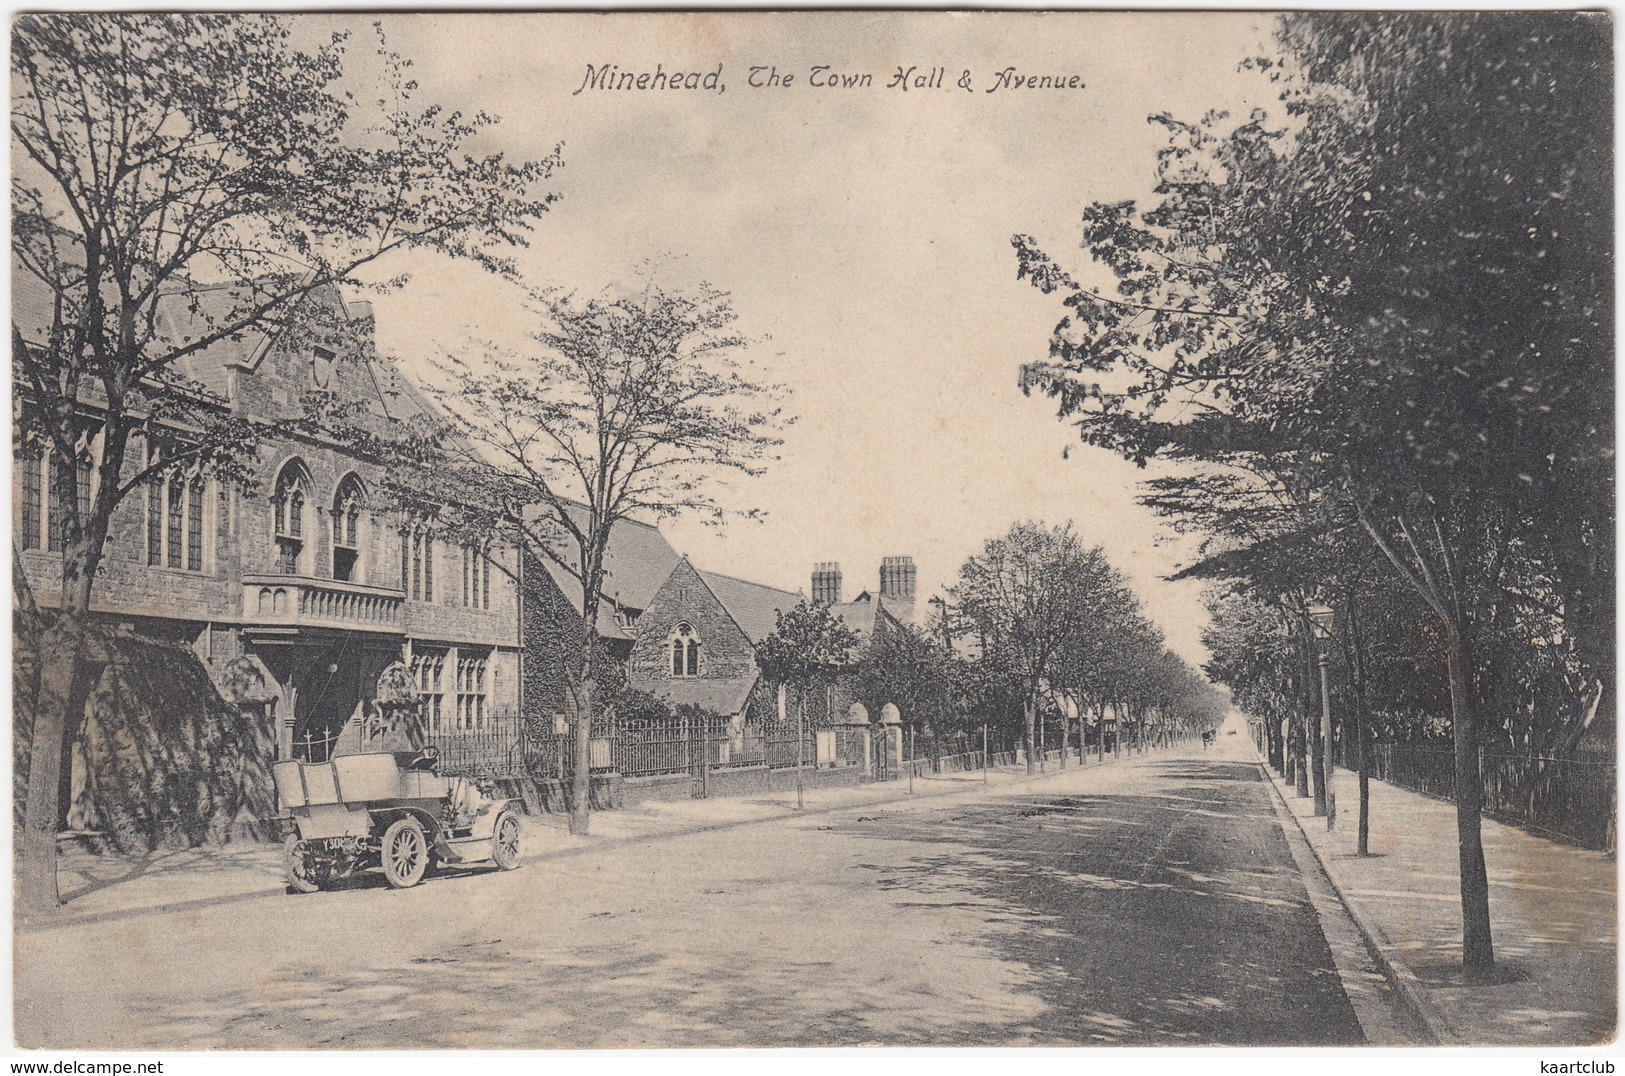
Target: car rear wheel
<point>405,853</point>
<point>305,875</point>
<point>505,841</point>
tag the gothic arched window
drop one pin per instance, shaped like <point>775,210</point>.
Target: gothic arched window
<point>685,651</point>
<point>347,505</point>
<point>288,510</point>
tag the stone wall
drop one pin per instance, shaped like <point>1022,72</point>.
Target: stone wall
<point>725,652</point>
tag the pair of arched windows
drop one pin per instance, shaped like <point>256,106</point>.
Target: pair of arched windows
<point>685,651</point>
<point>290,505</point>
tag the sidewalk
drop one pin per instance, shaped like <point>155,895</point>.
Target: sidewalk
<point>96,888</point>
<point>1552,913</point>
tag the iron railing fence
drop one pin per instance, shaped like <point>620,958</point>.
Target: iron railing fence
<point>498,746</point>
<point>648,747</point>
<point>1572,797</point>
<point>510,746</point>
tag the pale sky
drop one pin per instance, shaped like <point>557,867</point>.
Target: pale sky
<point>866,231</point>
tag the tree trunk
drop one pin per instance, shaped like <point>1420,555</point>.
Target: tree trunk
<point>63,687</point>
<point>1300,764</point>
<point>581,772</point>
<point>1477,948</point>
<point>59,706</point>
<point>1028,739</point>
<point>1314,706</point>
<point>1362,748</point>
<point>801,726</point>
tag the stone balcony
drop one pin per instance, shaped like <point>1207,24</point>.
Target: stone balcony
<point>291,602</point>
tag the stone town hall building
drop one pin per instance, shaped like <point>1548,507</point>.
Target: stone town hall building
<point>305,590</point>
<point>311,607</point>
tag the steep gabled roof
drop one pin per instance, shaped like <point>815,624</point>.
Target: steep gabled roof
<point>753,606</point>
<point>636,562</point>
<point>902,610</point>
<point>857,615</point>
<point>187,311</point>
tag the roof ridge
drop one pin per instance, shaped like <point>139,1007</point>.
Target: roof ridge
<point>748,582</point>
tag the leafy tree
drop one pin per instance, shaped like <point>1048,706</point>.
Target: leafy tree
<point>908,667</point>
<point>1109,640</point>
<point>157,158</point>
<point>809,646</point>
<point>628,406</point>
<point>1389,296</point>
<point>1024,595</point>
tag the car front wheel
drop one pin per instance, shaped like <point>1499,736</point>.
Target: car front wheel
<point>505,841</point>
<point>405,853</point>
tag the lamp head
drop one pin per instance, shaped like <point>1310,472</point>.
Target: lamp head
<point>1321,617</point>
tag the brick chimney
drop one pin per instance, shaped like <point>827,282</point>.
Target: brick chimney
<point>826,583</point>
<point>897,578</point>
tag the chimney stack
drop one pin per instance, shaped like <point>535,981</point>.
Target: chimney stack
<point>826,583</point>
<point>897,578</point>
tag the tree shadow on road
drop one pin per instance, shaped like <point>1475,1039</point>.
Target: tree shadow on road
<point>1171,914</point>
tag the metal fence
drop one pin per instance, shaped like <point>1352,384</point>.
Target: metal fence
<point>643,748</point>
<point>1572,798</point>
<point>509,746</point>
<point>499,746</point>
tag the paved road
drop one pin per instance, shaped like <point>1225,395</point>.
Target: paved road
<point>1151,903</point>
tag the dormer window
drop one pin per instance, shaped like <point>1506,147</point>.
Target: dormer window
<point>685,652</point>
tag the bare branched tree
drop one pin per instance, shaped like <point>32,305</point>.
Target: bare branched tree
<point>633,407</point>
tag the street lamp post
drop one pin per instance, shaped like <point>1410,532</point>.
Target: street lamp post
<point>1320,617</point>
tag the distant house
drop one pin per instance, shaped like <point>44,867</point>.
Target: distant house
<point>696,639</point>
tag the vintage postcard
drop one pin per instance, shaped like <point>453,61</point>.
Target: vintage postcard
<point>812,529</point>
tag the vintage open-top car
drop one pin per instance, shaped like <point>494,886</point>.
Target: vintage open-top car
<point>388,809</point>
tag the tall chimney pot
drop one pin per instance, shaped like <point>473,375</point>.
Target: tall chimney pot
<point>897,578</point>
<point>826,583</point>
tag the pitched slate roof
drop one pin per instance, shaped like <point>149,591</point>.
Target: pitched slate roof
<point>753,606</point>
<point>190,311</point>
<point>636,562</point>
<point>858,615</point>
<point>725,697</point>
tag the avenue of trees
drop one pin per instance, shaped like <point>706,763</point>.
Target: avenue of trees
<point>1365,335</point>
<point>160,161</point>
<point>1039,628</point>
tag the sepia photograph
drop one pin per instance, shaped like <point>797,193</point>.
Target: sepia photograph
<point>744,530</point>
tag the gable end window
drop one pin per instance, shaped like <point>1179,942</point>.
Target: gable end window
<point>288,506</point>
<point>685,652</point>
<point>347,525</point>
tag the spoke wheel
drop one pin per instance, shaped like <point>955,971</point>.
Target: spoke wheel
<point>505,841</point>
<point>304,874</point>
<point>405,853</point>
